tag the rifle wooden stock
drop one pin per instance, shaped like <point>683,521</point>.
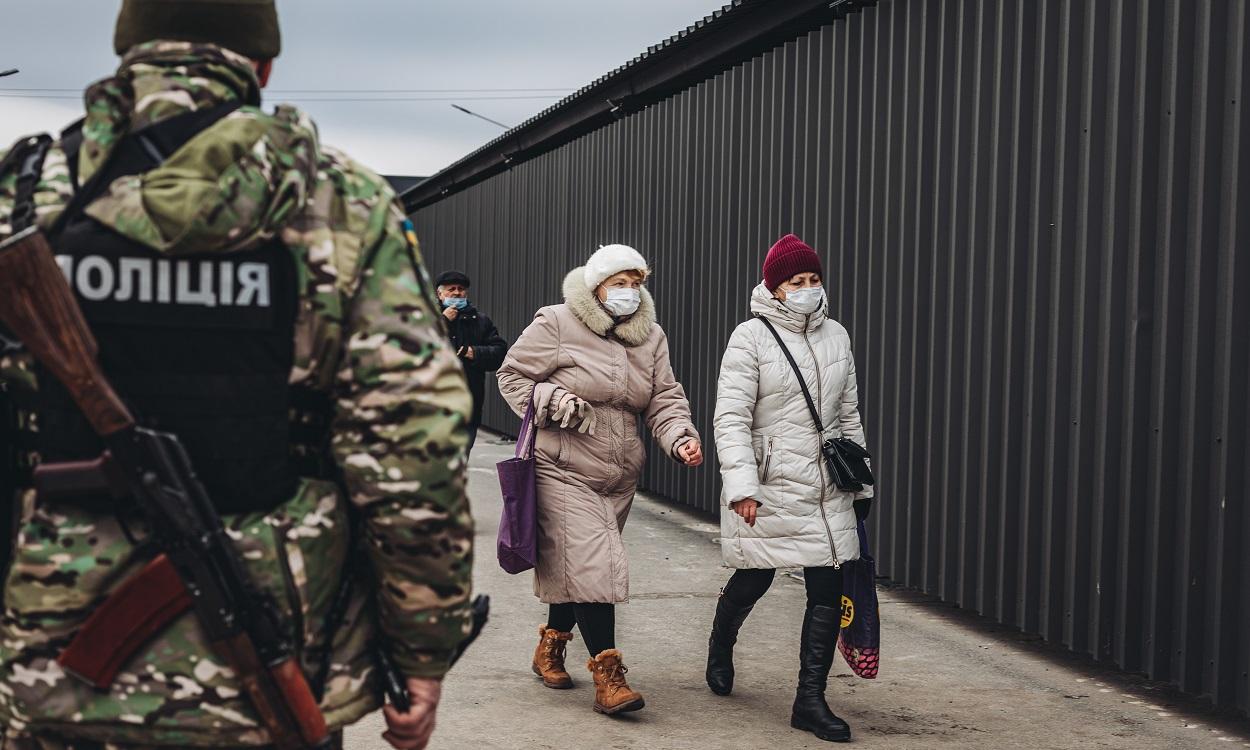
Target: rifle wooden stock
<point>38,306</point>
<point>292,716</point>
<point>297,696</point>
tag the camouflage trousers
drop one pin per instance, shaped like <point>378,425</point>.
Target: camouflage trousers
<point>43,742</point>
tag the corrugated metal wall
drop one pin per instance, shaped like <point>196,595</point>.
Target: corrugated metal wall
<point>1034,215</point>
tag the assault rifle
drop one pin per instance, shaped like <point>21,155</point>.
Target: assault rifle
<point>198,567</point>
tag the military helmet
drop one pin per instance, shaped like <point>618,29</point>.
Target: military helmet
<point>248,27</point>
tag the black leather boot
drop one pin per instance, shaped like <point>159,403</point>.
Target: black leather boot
<point>720,646</point>
<point>816,652</point>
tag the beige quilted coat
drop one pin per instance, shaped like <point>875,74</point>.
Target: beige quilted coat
<point>586,483</point>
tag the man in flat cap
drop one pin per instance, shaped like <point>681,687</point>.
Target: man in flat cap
<point>262,296</point>
<point>474,337</point>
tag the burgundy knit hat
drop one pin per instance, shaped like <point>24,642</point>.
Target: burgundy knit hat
<point>787,257</point>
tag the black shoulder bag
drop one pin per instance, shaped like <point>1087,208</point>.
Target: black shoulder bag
<point>847,460</point>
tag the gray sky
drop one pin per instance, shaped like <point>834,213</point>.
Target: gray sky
<point>356,45</point>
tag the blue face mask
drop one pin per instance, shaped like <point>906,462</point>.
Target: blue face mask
<point>457,302</point>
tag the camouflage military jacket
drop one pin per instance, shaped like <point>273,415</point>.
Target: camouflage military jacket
<point>367,334</point>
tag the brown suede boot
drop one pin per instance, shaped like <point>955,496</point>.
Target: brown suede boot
<point>549,658</point>
<point>612,694</point>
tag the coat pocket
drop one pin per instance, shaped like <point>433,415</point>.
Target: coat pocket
<point>767,462</point>
<point>547,445</point>
<point>562,452</point>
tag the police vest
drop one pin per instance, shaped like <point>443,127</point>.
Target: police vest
<point>201,345</point>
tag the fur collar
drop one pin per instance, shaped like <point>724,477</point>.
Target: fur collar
<point>633,331</point>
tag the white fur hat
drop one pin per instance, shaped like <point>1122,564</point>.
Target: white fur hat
<point>610,260</point>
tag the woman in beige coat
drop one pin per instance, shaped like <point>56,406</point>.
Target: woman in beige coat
<point>591,366</point>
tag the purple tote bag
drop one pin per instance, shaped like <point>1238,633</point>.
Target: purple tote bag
<point>518,527</point>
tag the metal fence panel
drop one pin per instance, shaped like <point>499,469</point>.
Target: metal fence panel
<point>1033,215</point>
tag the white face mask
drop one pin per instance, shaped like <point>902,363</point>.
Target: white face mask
<point>805,301</point>
<point>622,302</point>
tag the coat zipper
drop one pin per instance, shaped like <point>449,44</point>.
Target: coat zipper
<point>820,439</point>
<point>768,460</point>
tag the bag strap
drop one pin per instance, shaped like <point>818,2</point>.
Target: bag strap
<point>807,394</point>
<point>528,435</point>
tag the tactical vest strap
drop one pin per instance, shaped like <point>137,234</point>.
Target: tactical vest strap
<point>312,413</point>
<point>141,151</point>
<point>71,144</point>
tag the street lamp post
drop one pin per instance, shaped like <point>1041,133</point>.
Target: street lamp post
<point>481,117</point>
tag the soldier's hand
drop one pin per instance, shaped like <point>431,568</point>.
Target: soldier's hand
<point>412,730</point>
<point>451,313</point>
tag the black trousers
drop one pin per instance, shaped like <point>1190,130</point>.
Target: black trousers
<point>597,623</point>
<point>824,586</point>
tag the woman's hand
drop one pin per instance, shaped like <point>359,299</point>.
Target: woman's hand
<point>863,507</point>
<point>691,453</point>
<point>747,509</point>
<point>574,413</point>
<point>565,400</point>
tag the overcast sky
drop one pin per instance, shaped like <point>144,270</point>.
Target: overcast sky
<point>365,49</point>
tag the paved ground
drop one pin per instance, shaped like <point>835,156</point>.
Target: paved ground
<point>946,681</point>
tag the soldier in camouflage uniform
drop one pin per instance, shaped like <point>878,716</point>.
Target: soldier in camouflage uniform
<point>367,335</point>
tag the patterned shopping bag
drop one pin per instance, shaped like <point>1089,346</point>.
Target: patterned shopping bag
<point>860,637</point>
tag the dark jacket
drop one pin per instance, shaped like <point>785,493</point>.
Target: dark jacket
<point>473,329</point>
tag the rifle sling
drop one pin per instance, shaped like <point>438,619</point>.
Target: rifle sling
<point>30,170</point>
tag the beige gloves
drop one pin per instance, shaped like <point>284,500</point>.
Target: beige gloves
<point>572,413</point>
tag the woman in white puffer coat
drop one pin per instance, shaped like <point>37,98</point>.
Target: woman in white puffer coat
<point>780,508</point>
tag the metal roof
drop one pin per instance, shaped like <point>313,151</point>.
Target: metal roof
<point>734,33</point>
<point>403,183</point>
<point>654,49</point>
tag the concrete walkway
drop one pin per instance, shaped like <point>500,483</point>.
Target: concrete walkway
<point>946,680</point>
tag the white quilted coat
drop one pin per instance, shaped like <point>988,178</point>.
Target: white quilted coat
<point>768,446</point>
